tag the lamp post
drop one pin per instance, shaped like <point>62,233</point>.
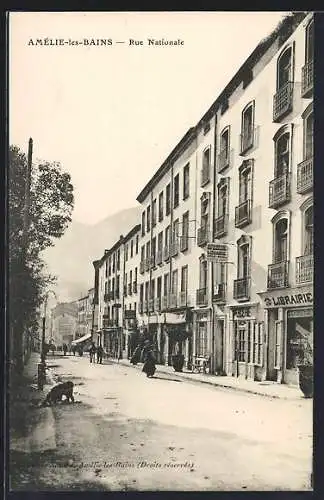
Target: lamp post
<point>42,365</point>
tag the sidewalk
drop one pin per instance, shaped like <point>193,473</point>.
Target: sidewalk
<point>32,429</point>
<point>266,388</point>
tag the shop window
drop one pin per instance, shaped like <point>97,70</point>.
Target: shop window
<point>299,337</point>
<point>241,344</point>
<point>278,340</point>
<point>258,344</point>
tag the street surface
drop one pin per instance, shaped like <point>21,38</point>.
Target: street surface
<point>128,432</point>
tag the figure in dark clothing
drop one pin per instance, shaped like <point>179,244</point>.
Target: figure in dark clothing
<point>74,349</point>
<point>100,352</point>
<point>92,352</point>
<point>80,350</point>
<point>65,349</point>
<point>136,357</point>
<point>149,363</point>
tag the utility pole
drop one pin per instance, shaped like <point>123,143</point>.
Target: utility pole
<point>18,332</point>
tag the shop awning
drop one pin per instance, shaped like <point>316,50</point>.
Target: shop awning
<point>82,339</point>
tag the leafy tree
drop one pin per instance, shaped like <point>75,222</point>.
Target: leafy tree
<point>51,205</point>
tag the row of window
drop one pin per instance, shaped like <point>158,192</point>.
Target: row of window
<point>162,285</point>
<point>131,248</point>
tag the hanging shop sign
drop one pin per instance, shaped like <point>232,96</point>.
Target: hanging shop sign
<point>289,300</point>
<point>217,252</point>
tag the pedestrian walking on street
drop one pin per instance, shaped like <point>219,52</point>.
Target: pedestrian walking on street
<point>136,357</point>
<point>149,362</point>
<point>100,352</point>
<point>92,352</point>
<point>64,349</point>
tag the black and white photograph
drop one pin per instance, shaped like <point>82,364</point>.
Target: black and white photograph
<point>160,251</point>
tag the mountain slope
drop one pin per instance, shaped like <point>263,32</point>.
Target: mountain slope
<point>71,258</point>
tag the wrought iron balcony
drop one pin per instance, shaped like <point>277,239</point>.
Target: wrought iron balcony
<point>283,101</point>
<point>142,265</point>
<point>223,160</point>
<point>134,286</point>
<point>183,299</point>
<point>242,288</point>
<point>159,255</point>
<point>247,141</point>
<point>201,297</point>
<point>173,301</point>
<point>205,175</point>
<point>305,176</point>
<point>304,269</point>
<point>157,303</point>
<point>307,79</point>
<point>166,253</point>
<point>279,191</point>
<point>184,243</point>
<point>165,302</point>
<point>219,293</point>
<point>152,261</point>
<point>243,214</point>
<point>202,236</point>
<point>174,248</point>
<point>278,275</point>
<point>221,226</point>
<point>151,305</point>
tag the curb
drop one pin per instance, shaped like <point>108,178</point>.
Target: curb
<point>217,384</point>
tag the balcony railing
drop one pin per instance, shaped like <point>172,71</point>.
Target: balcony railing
<point>183,299</point>
<point>304,269</point>
<point>283,101</point>
<point>278,275</point>
<point>242,288</point>
<point>174,248</point>
<point>221,226</point>
<point>157,303</point>
<point>305,176</point>
<point>247,141</point>
<point>279,191</point>
<point>173,300</point>
<point>205,175</point>
<point>147,264</point>
<point>151,305</point>
<point>219,293</point>
<point>165,302</point>
<point>130,289</point>
<point>243,214</point>
<point>202,236</point>
<point>223,160</point>
<point>201,297</point>
<point>307,79</point>
<point>166,253</point>
<point>152,261</point>
<point>159,257</point>
<point>184,243</point>
<point>134,286</point>
<point>142,266</point>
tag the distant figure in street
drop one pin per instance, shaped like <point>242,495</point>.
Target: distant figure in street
<point>65,349</point>
<point>92,352</point>
<point>100,352</point>
<point>149,362</point>
<point>74,350</point>
<point>136,357</point>
<point>80,350</point>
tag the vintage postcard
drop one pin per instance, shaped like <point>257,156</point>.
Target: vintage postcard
<point>160,251</point>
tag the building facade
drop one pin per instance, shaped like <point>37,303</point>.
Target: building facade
<point>131,265</point>
<point>64,323</point>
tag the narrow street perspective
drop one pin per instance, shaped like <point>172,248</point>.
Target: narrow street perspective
<point>161,240</point>
<point>128,432</point>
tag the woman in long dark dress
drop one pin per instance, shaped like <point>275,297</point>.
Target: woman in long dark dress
<point>149,364</point>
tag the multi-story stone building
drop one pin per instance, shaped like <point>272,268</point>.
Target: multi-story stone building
<point>130,302</point>
<point>264,208</point>
<point>85,319</point>
<point>64,323</point>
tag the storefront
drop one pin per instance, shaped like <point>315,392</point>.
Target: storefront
<point>130,333</point>
<point>202,341</point>
<point>246,342</point>
<point>177,336</point>
<point>289,321</point>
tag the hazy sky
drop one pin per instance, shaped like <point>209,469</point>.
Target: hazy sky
<point>112,114</point>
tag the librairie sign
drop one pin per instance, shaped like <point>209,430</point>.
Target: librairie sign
<point>292,299</point>
<point>217,252</point>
